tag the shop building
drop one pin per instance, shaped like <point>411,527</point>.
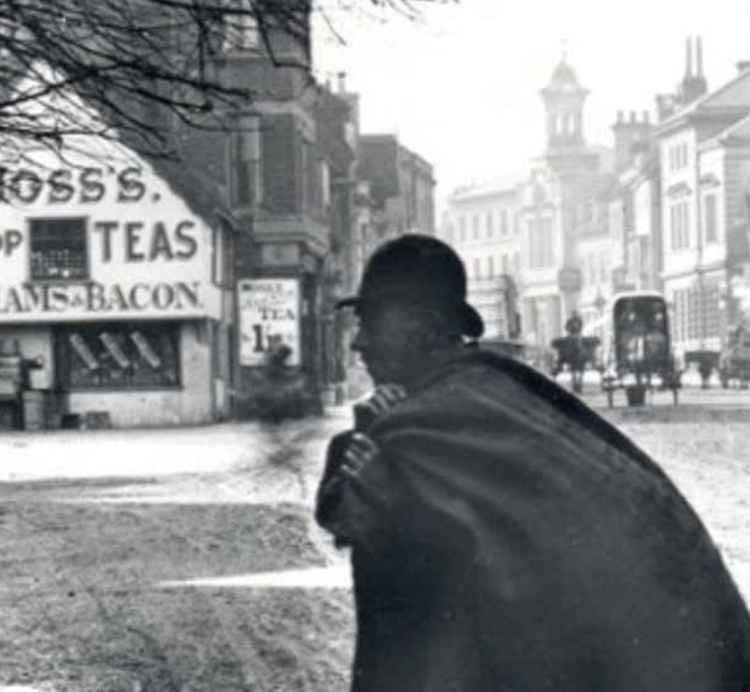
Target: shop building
<point>117,287</point>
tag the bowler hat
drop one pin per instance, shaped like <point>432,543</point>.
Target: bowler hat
<point>420,270</point>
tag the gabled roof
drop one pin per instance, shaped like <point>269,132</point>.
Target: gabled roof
<point>737,133</point>
<point>501,185</point>
<point>732,97</point>
<point>203,193</point>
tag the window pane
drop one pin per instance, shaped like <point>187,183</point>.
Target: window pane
<point>58,248</point>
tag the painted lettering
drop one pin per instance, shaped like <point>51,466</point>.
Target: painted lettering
<point>100,298</point>
<point>3,174</point>
<point>132,239</point>
<point>188,293</point>
<point>60,189</point>
<point>26,185</point>
<point>32,297</point>
<point>59,299</point>
<point>92,188</point>
<point>160,245</point>
<point>9,241</point>
<point>139,303</point>
<point>131,189</point>
<point>95,301</point>
<point>117,300</point>
<point>106,228</point>
<point>12,302</point>
<point>186,239</point>
<point>162,296</point>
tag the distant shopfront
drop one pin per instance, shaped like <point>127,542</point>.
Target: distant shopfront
<point>120,291</point>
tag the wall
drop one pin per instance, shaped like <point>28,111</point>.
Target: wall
<point>712,175</point>
<point>493,249</point>
<point>678,185</point>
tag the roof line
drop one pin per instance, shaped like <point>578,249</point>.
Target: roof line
<point>702,100</point>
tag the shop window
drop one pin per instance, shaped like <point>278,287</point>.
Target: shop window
<point>118,356</point>
<point>246,166</point>
<point>58,249</point>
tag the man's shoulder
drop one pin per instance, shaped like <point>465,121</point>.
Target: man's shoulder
<point>475,384</point>
<point>477,368</point>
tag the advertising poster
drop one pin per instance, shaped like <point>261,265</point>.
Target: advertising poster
<point>269,309</point>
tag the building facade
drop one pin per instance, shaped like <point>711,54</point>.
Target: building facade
<point>558,200</point>
<point>481,224</point>
<point>283,169</point>
<point>703,160</point>
<point>118,287</point>
<point>395,195</point>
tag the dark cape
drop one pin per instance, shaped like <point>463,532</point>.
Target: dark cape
<point>508,539</point>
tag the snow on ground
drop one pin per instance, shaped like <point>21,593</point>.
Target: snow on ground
<point>705,458</point>
<point>149,452</point>
<point>177,480</point>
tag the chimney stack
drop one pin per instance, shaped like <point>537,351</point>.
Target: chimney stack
<point>688,57</point>
<point>632,117</point>
<point>342,82</point>
<point>645,117</point>
<point>699,56</point>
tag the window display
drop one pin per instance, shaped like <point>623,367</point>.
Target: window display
<point>118,356</point>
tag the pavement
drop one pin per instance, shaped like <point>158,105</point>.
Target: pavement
<point>183,458</point>
<point>151,452</point>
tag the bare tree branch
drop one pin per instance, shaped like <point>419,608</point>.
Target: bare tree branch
<point>145,66</point>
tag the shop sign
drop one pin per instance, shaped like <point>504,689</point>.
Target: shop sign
<point>269,309</point>
<point>87,184</point>
<point>97,300</point>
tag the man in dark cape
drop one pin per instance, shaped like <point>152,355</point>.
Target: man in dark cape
<point>504,536</point>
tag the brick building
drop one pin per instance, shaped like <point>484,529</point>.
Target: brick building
<point>288,172</point>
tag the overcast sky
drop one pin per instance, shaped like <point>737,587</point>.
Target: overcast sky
<point>460,85</point>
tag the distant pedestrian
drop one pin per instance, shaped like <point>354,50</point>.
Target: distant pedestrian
<point>280,394</point>
<point>574,324</point>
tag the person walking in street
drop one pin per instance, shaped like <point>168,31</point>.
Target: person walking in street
<point>504,537</point>
<point>574,324</point>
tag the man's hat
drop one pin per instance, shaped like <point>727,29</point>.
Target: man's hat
<point>418,270</point>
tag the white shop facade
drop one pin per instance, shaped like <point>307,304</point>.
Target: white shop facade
<point>117,289</point>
